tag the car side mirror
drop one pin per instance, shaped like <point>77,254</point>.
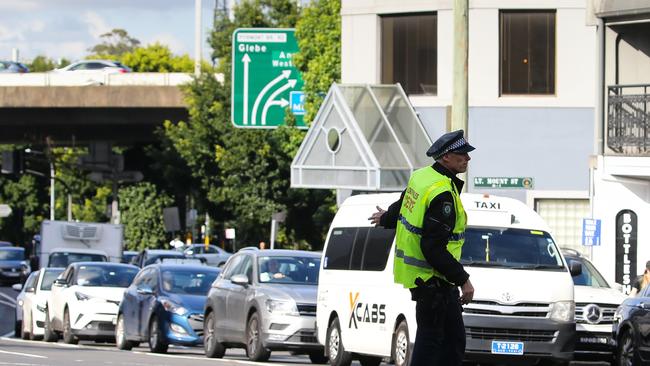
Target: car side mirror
<point>30,290</point>
<point>18,287</point>
<point>60,282</point>
<point>239,279</point>
<point>145,290</point>
<point>575,268</point>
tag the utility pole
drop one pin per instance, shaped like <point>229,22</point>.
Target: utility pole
<point>459,108</point>
<point>197,37</point>
<point>52,200</point>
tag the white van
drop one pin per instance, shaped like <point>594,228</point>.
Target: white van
<point>523,308</point>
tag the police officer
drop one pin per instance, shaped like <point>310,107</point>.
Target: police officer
<point>430,222</point>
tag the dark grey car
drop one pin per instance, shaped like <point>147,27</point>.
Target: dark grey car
<point>264,300</point>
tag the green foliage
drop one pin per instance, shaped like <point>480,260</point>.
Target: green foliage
<point>42,64</point>
<point>319,59</point>
<point>244,172</point>
<point>24,196</point>
<point>156,58</point>
<point>114,44</point>
<point>142,215</point>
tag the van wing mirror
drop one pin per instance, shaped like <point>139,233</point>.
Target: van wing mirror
<point>575,268</point>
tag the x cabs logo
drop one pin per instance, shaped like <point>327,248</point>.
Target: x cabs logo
<point>366,313</point>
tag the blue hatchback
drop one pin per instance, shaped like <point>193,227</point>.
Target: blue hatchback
<point>164,305</point>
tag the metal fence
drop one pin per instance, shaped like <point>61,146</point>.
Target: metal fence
<point>628,123</point>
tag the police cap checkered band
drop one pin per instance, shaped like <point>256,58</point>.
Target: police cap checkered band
<point>454,146</point>
<point>449,142</point>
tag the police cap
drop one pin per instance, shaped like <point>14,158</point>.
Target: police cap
<point>449,142</point>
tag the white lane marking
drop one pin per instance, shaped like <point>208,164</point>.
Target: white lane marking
<point>20,364</point>
<point>242,362</point>
<point>11,299</point>
<point>22,354</point>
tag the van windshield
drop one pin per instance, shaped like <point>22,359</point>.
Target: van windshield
<point>510,248</point>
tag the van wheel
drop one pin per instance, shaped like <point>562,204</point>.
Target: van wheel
<point>338,356</point>
<point>68,337</point>
<point>401,351</point>
<point>212,347</point>
<point>49,335</point>
<point>366,360</point>
<point>254,347</point>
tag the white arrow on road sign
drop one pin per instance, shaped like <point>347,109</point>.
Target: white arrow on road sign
<point>284,75</point>
<point>246,60</point>
<point>271,101</point>
<point>5,210</point>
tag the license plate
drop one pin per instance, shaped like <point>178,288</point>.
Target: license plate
<point>596,340</point>
<point>507,348</point>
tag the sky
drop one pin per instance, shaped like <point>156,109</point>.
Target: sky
<point>68,28</point>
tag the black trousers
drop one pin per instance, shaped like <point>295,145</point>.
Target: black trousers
<point>440,338</point>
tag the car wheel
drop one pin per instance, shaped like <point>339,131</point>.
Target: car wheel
<point>317,357</point>
<point>18,328</point>
<point>120,335</point>
<point>157,342</point>
<point>627,353</point>
<point>25,332</point>
<point>68,337</point>
<point>213,349</point>
<point>49,335</point>
<point>338,356</point>
<point>401,352</point>
<point>366,360</point>
<point>254,347</point>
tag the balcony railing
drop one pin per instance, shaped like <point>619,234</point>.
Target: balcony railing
<point>628,122</point>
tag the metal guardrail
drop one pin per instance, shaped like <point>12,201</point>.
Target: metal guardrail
<point>628,119</point>
<point>79,79</point>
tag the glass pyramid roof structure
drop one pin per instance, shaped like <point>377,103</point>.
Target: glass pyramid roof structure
<point>364,137</point>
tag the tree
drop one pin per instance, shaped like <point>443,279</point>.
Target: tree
<point>156,58</point>
<point>246,172</point>
<point>142,215</point>
<point>42,63</point>
<point>114,44</point>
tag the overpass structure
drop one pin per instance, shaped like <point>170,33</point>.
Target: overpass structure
<point>81,108</point>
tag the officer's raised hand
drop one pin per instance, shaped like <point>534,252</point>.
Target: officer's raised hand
<point>376,217</point>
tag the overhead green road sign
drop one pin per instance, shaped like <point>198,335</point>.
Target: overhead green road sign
<point>503,182</point>
<point>264,80</point>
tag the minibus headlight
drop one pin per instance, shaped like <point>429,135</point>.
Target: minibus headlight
<point>562,311</point>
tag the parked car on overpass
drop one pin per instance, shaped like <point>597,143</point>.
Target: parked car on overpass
<point>12,67</point>
<point>94,67</point>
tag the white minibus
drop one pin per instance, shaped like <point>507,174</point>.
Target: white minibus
<point>523,307</point>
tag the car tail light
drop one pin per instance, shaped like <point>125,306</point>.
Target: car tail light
<point>122,71</point>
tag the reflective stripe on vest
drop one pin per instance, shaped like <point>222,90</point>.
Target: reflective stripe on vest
<point>418,231</point>
<point>412,261</point>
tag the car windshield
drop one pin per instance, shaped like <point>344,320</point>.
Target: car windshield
<point>510,248</point>
<point>181,281</point>
<point>292,270</point>
<point>62,259</point>
<point>48,279</point>
<point>105,276</point>
<point>12,255</point>
<point>589,276</point>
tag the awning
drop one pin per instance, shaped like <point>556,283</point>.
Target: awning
<point>364,137</point>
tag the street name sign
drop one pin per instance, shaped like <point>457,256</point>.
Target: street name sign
<point>503,182</point>
<point>5,210</point>
<point>264,80</point>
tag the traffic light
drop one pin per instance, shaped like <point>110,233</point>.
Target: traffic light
<point>13,162</point>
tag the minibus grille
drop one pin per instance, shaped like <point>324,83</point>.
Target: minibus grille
<point>493,308</point>
<point>521,335</point>
<point>606,312</point>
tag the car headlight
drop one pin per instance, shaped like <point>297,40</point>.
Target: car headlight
<point>20,302</point>
<point>172,307</point>
<point>282,307</point>
<point>563,311</point>
<point>81,296</point>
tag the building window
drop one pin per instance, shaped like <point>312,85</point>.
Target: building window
<point>527,51</point>
<point>409,50</point>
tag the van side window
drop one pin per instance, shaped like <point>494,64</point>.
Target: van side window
<point>359,245</point>
<point>339,248</point>
<point>377,248</point>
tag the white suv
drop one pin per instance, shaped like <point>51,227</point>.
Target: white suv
<point>85,299</point>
